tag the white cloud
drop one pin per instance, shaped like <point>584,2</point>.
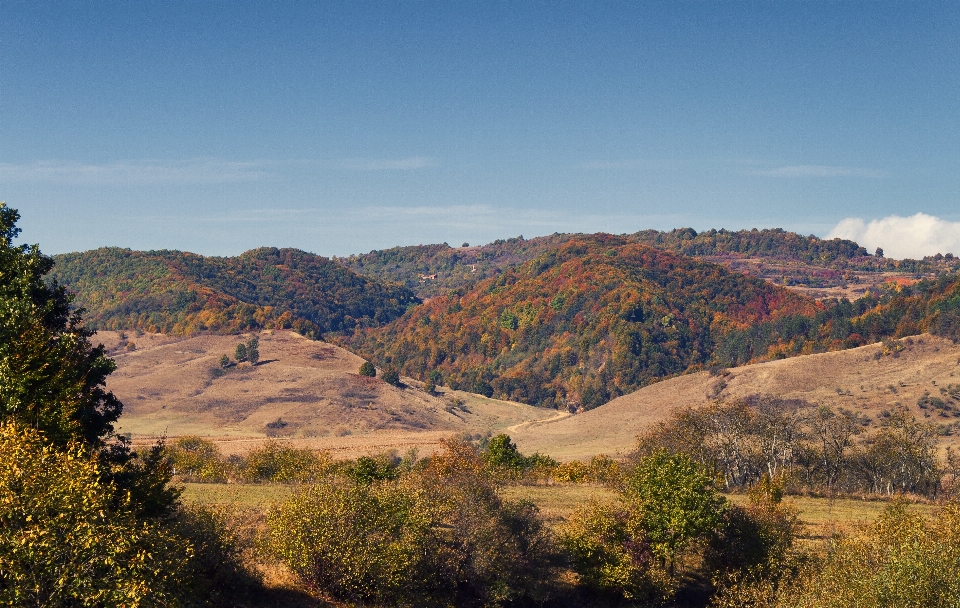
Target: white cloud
<point>902,237</point>
<point>398,164</point>
<point>817,171</point>
<point>133,172</point>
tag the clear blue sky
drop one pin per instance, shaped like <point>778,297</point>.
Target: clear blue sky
<point>338,128</point>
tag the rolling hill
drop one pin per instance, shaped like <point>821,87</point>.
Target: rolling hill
<point>184,293</point>
<point>863,380</point>
<point>304,391</point>
<point>591,320</point>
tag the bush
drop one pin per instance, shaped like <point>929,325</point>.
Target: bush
<point>437,535</point>
<point>612,556</point>
<point>198,460</point>
<point>66,539</point>
<point>222,543</point>
<point>901,560</point>
<point>276,462</point>
<point>391,376</point>
<point>367,369</point>
<point>354,541</point>
<point>633,546</point>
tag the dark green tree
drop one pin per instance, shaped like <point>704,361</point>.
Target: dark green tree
<point>253,350</point>
<point>367,369</point>
<point>240,354</point>
<point>51,377</point>
<point>224,362</point>
<point>391,376</point>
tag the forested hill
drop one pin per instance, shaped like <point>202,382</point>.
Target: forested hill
<point>432,270</point>
<point>590,320</point>
<point>184,293</point>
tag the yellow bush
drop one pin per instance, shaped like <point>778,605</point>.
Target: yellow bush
<point>901,560</point>
<point>63,540</point>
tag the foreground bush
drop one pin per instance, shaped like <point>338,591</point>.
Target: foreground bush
<point>198,460</point>
<point>276,462</point>
<point>64,541</point>
<point>439,535</point>
<point>354,541</point>
<point>634,547</point>
<point>901,560</point>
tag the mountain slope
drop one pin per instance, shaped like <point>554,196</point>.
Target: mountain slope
<point>183,293</point>
<point>861,380</point>
<point>580,324</point>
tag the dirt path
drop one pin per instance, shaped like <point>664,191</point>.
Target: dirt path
<point>529,423</point>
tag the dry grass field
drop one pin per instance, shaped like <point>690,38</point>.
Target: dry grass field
<point>302,391</point>
<point>309,394</point>
<point>855,379</point>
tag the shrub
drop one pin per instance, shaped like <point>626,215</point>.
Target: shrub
<point>391,376</point>
<point>900,560</point>
<point>367,469</point>
<point>755,538</point>
<point>632,546</point>
<point>367,369</point>
<point>437,535</point>
<point>354,541</point>
<point>673,500</point>
<point>64,541</point>
<point>222,542</point>
<point>276,462</point>
<point>611,555</point>
<point>197,459</point>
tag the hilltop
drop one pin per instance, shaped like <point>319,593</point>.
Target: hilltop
<point>817,267</point>
<point>184,293</point>
<point>923,375</point>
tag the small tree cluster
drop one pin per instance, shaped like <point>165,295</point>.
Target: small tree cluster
<point>814,447</point>
<point>248,352</point>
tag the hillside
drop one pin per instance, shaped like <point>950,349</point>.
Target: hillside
<point>862,380</point>
<point>591,320</point>
<point>184,293</point>
<point>302,390</point>
<point>820,267</point>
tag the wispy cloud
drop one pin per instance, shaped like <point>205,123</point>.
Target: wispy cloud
<point>902,237</point>
<point>381,164</point>
<point>817,171</point>
<point>127,173</point>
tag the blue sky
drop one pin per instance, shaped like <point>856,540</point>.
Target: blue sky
<point>338,128</point>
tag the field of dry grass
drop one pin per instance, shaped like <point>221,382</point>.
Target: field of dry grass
<point>855,379</point>
<point>308,393</point>
<point>304,392</point>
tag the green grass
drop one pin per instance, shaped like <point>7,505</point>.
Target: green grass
<point>239,494</point>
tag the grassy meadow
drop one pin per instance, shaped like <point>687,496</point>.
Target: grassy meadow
<point>822,517</point>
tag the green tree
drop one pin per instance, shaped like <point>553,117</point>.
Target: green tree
<point>367,369</point>
<point>253,350</point>
<point>673,501</point>
<point>391,376</point>
<point>502,453</point>
<point>224,362</point>
<point>51,377</point>
<point>240,354</point>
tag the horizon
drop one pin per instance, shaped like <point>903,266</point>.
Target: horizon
<point>342,128</point>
